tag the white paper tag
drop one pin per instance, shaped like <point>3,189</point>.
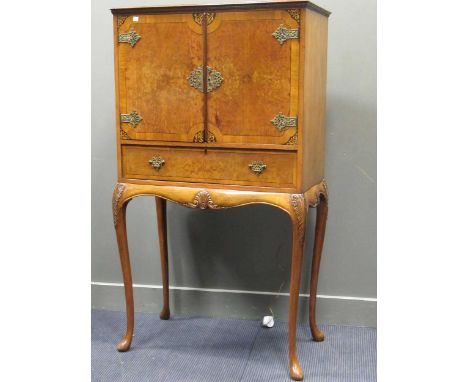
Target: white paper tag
<point>135,19</point>
<point>268,322</point>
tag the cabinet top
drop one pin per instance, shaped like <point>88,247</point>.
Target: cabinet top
<point>172,6</point>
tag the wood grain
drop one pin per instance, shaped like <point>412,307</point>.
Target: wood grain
<point>317,197</point>
<point>205,77</point>
<point>260,76</point>
<point>216,145</point>
<point>233,187</point>
<point>298,219</point>
<point>161,214</point>
<point>119,209</point>
<point>320,226</point>
<point>116,25</point>
<point>153,77</point>
<point>233,5</point>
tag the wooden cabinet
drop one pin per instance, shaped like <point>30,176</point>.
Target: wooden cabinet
<point>247,77</point>
<point>221,106</point>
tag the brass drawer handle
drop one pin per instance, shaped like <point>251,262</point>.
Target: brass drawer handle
<point>157,162</point>
<point>257,167</point>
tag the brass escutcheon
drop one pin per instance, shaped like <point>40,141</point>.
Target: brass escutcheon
<point>215,79</point>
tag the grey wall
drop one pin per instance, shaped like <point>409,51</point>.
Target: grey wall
<point>248,248</point>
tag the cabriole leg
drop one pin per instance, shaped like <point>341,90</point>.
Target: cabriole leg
<point>162,233</point>
<point>320,226</point>
<point>298,218</point>
<point>120,224</point>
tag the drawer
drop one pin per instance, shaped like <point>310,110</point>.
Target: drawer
<point>223,166</point>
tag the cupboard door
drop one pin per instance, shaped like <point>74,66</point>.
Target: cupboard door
<point>156,54</point>
<point>260,76</point>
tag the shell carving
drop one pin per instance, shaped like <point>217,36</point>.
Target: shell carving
<point>203,201</point>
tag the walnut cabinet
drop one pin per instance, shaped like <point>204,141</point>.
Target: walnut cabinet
<point>221,106</point>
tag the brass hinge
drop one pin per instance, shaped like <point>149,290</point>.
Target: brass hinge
<point>133,118</point>
<point>295,14</point>
<point>198,18</point>
<point>199,137</point>
<point>282,122</point>
<point>292,140</point>
<point>124,135</point>
<point>121,20</point>
<point>131,37</point>
<point>282,34</point>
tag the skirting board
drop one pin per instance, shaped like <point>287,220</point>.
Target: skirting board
<point>331,310</point>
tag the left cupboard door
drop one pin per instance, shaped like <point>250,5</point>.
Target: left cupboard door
<point>157,57</point>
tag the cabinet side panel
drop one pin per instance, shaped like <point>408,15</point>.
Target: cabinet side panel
<point>117,98</point>
<point>315,81</point>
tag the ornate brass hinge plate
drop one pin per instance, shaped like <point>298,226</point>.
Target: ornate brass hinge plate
<point>198,18</point>
<point>133,118</point>
<point>282,122</point>
<point>292,140</point>
<point>131,37</point>
<point>257,167</point>
<point>121,20</point>
<point>124,135</point>
<point>199,137</point>
<point>282,34</point>
<point>157,162</point>
<point>295,14</point>
<point>215,79</point>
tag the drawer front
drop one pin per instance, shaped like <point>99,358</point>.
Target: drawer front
<point>238,167</point>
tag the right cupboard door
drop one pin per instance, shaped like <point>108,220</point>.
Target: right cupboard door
<point>257,55</point>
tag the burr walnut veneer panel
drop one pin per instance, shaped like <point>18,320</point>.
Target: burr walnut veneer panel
<point>153,77</point>
<point>261,76</point>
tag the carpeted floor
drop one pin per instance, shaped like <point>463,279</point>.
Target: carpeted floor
<point>186,349</point>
